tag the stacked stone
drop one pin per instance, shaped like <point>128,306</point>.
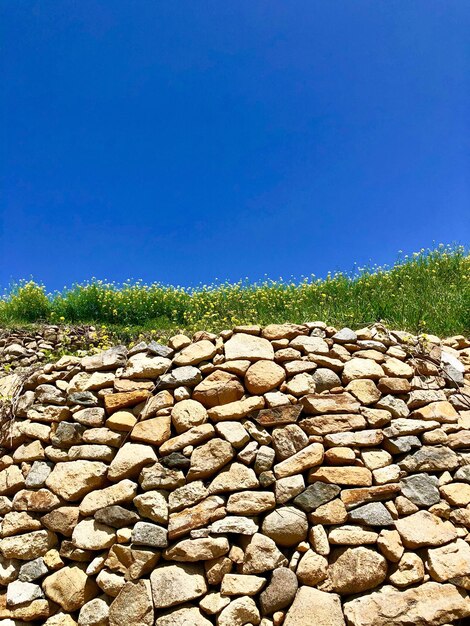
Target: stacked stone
<point>293,475</point>
<point>23,348</point>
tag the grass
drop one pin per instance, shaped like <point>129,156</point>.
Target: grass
<point>427,292</point>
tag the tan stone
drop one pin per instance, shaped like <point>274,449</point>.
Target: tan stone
<point>209,458</point>
<point>155,431</point>
<point>91,535</point>
<point>130,459</point>
<point>312,568</point>
<point>236,410</point>
<point>241,585</point>
<point>362,495</point>
<point>249,347</point>
<point>408,571</point>
<point>351,535</point>
<point>70,587</point>
<point>283,331</point>
<point>353,570</point>
<point>193,436</point>
<point>201,514</point>
<point>218,388</point>
<point>430,604</point>
<point>333,512</point>
<point>193,550</point>
<point>251,502</point>
<point>34,610</point>
<point>176,584</point>
<point>123,491</point>
<point>72,480</point>
<point>390,545</point>
<point>327,424</point>
<point>312,607</point>
<point>425,529</point>
<point>132,605</point>
<point>456,494</point>
<point>363,438</point>
<point>364,390</point>
<point>117,401</point>
<point>195,353</point>
<point>263,376</point>
<point>122,421</point>
<point>11,480</point>
<point>187,414</point>
<point>361,368</point>
<point>449,561</point>
<point>305,459</point>
<point>441,411</point>
<point>341,475</point>
<point>330,403</point>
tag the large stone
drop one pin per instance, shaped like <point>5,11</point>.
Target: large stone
<point>373,514</point>
<point>249,347</point>
<point>353,570</point>
<point>176,584</point>
<point>280,591</point>
<point>92,535</point>
<point>132,605</point>
<point>130,459</point>
<point>328,424</point>
<point>192,550</point>
<point>209,458</point>
<point>234,478</point>
<point>288,440</point>
<point>315,495</point>
<point>187,376</point>
<point>153,505</point>
<point>421,489</point>
<point>205,512</point>
<point>146,534</point>
<point>425,529</point>
<point>73,480</point>
<point>262,555</point>
<point>346,475</point>
<point>28,546</point>
<point>263,376</point>
<point>241,585</point>
<point>70,587</point>
<point>312,568</point>
<point>287,526</point>
<point>306,458</point>
<point>430,604</point>
<point>117,401</point>
<point>430,459</point>
<point>154,431</point>
<point>94,613</point>
<point>312,607</point>
<point>276,416</point>
<point>315,404</point>
<point>187,616</point>
<point>236,410</point>
<point>251,502</point>
<point>143,366</point>
<point>239,612</point>
<point>217,389</point>
<point>187,414</point>
<point>195,353</point>
<point>123,491</point>
<point>108,360</point>
<point>449,561</point>
<point>361,368</point>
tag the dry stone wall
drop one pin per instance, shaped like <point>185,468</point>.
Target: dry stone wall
<point>293,475</point>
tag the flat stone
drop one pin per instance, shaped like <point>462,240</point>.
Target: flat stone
<point>183,617</point>
<point>155,431</point>
<point>123,491</point>
<point>277,416</point>
<point>234,478</point>
<point>315,495</point>
<point>354,570</point>
<point>195,353</point>
<point>372,514</point>
<point>192,437</point>
<point>362,495</point>
<point>241,585</point>
<point>73,480</point>
<point>288,440</point>
<point>429,604</point>
<point>363,438</point>
<point>421,489</point>
<point>330,403</point>
<point>92,535</point>
<point>449,561</point>
<point>116,516</point>
<point>344,475</point>
<point>218,388</point>
<point>251,502</point>
<point>305,459</point>
<point>132,605</point>
<point>70,587</point>
<point>329,424</point>
<point>28,546</point>
<point>62,520</point>
<point>312,607</point>
<point>117,401</point>
<point>249,347</point>
<point>425,529</point>
<point>201,514</point>
<point>153,505</point>
<point>19,592</point>
<point>262,555</point>
<point>193,550</point>
<point>239,525</point>
<point>239,612</point>
<point>176,584</point>
<point>287,526</point>
<point>351,535</point>
<point>312,568</point>
<point>186,376</point>
<point>236,410</point>
<point>361,368</point>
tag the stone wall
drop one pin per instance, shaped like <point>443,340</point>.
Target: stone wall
<point>293,475</point>
<point>21,347</point>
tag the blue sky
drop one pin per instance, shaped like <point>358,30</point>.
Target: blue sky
<point>186,141</point>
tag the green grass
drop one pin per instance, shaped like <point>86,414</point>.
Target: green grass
<point>427,292</point>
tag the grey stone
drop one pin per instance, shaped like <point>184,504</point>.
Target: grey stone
<point>146,534</point>
<point>157,349</point>
<point>37,475</point>
<point>67,434</point>
<point>430,458</point>
<point>280,592</point>
<point>32,570</point>
<point>372,514</point>
<point>325,379</point>
<point>20,592</point>
<point>116,516</point>
<point>187,376</point>
<point>83,398</point>
<point>315,495</point>
<point>421,489</point>
<point>463,474</point>
<point>400,445</point>
<point>345,335</point>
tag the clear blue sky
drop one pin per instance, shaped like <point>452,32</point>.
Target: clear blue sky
<point>184,141</point>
